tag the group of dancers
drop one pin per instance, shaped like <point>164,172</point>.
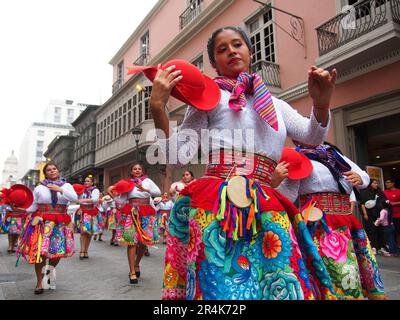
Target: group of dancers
<point>258,225</point>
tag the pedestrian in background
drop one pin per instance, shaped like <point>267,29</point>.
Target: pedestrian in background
<point>393,195</point>
<point>385,220</point>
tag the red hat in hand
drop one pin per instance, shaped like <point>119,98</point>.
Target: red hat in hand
<point>20,196</point>
<point>123,186</point>
<point>300,166</point>
<point>79,188</point>
<point>195,88</point>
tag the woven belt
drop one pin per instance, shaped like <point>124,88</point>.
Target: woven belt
<point>231,162</point>
<point>87,207</point>
<point>164,211</point>
<point>139,201</point>
<point>48,209</point>
<point>328,202</point>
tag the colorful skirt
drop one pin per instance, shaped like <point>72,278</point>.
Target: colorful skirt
<point>215,251</point>
<point>91,224</point>
<point>48,236</point>
<point>77,220</point>
<point>346,252</point>
<point>12,225</point>
<point>137,226</point>
<point>113,217</point>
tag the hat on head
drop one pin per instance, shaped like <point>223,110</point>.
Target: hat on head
<point>195,88</point>
<point>20,196</point>
<point>299,167</point>
<point>123,186</point>
<point>79,188</point>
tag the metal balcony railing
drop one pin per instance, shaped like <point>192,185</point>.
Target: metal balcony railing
<point>364,17</point>
<point>117,84</point>
<point>142,60</point>
<point>269,71</point>
<point>189,14</point>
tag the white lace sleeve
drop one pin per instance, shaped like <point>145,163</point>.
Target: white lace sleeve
<point>303,129</point>
<point>290,189</point>
<point>182,146</point>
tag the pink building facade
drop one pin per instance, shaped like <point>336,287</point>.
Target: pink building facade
<point>362,42</point>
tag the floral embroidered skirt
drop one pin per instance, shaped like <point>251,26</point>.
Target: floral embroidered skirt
<point>91,224</point>
<point>48,236</point>
<point>12,225</point>
<point>203,261</point>
<point>113,217</point>
<point>137,226</point>
<point>345,249</point>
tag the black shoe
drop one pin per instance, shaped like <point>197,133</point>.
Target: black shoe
<point>147,253</point>
<point>132,281</point>
<point>39,290</point>
<point>137,272</point>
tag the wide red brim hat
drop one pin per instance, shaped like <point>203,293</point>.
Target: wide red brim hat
<point>79,188</point>
<point>300,166</point>
<point>123,186</point>
<point>195,88</point>
<point>20,196</point>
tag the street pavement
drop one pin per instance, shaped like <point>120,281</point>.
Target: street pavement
<point>104,276</point>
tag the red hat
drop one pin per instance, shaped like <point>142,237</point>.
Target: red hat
<point>195,88</point>
<point>123,186</point>
<point>20,196</point>
<point>79,188</point>
<point>299,167</point>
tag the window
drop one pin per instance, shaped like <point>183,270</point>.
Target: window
<point>134,116</point>
<point>70,115</point>
<point>119,127</point>
<point>199,63</point>
<point>129,120</point>
<point>120,111</point>
<point>145,47</point>
<point>120,71</point>
<point>39,154</point>
<point>115,130</point>
<point>124,108</point>
<point>140,113</point>
<point>40,133</point>
<point>129,104</point>
<point>124,121</point>
<point>39,145</point>
<point>262,37</point>
<point>147,113</point>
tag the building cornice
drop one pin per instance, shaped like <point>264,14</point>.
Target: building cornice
<point>294,93</point>
<point>138,32</point>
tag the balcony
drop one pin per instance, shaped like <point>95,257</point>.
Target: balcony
<point>190,14</point>
<point>142,60</point>
<point>370,29</point>
<point>269,71</point>
<point>117,84</point>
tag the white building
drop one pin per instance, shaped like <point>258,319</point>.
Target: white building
<point>56,121</point>
<point>10,171</point>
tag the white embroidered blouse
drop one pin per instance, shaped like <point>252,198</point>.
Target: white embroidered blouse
<point>244,130</point>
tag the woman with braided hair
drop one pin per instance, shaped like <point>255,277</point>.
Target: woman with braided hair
<point>224,244</point>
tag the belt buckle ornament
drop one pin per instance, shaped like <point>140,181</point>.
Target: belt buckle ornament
<point>311,213</point>
<point>236,191</point>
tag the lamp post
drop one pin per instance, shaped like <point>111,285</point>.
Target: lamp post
<point>136,132</point>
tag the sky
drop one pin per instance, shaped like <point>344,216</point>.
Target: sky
<point>57,50</point>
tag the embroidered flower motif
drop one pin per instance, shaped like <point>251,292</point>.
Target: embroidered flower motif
<point>378,280</point>
<point>280,285</point>
<point>214,242</point>
<point>170,276</point>
<point>194,240</point>
<point>334,245</point>
<point>178,225</point>
<point>351,279</point>
<point>271,245</point>
<point>212,281</point>
<point>190,284</point>
<point>176,254</point>
<point>273,248</point>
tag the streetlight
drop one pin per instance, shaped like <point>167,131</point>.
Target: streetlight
<point>136,132</point>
